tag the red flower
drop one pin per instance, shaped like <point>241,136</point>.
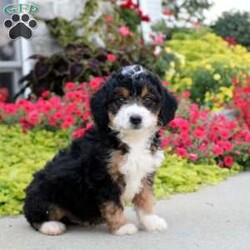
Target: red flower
<point>167,12</point>
<point>45,94</point>
<point>95,83</point>
<point>159,40</point>
<point>199,132</point>
<point>4,94</point>
<point>181,152</point>
<point>111,57</point>
<point>228,161</point>
<point>89,125</point>
<point>164,142</point>
<point>78,133</point>
<point>228,146</point>
<point>230,40</point>
<point>124,31</point>
<point>224,134</point>
<point>186,94</point>
<point>33,118</point>
<point>69,86</point>
<point>165,83</point>
<point>145,18</point>
<point>218,150</point>
<point>52,121</point>
<point>108,19</point>
<point>67,123</point>
<point>86,115</point>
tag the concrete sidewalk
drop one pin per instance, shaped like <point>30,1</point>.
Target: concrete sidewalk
<point>216,218</point>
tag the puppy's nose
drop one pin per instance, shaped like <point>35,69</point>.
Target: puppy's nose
<point>135,119</point>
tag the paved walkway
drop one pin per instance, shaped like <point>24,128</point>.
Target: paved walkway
<point>216,218</point>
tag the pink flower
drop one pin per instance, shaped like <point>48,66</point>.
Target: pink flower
<point>111,57</point>
<point>159,40</point>
<point>124,31</point>
<point>89,125</point>
<point>193,157</point>
<point>167,12</point>
<point>228,161</point>
<point>108,19</point>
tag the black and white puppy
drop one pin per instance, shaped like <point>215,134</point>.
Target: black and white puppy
<point>114,162</point>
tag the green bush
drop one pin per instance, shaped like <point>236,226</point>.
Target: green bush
<point>177,175</point>
<point>209,63</point>
<point>20,156</point>
<point>23,154</point>
<point>234,25</point>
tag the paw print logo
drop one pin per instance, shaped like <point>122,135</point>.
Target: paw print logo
<point>20,26</point>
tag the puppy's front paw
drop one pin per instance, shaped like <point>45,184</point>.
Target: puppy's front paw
<point>52,228</point>
<point>154,223</point>
<point>127,229</point>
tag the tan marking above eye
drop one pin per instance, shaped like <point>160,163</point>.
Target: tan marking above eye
<point>123,92</point>
<point>144,92</point>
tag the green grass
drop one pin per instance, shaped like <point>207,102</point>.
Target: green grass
<point>23,154</point>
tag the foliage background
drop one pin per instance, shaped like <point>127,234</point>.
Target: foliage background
<point>23,154</point>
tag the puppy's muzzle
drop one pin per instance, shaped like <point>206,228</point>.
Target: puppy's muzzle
<point>135,121</point>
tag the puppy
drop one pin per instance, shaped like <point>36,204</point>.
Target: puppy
<point>114,162</point>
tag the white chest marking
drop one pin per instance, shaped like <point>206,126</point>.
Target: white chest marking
<point>139,163</point>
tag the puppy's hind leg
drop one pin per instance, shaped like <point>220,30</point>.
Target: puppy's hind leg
<point>44,216</point>
<point>52,228</point>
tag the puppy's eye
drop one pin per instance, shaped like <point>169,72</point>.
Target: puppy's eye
<point>121,100</point>
<point>148,100</point>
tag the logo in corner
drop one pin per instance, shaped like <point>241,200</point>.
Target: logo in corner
<point>21,23</point>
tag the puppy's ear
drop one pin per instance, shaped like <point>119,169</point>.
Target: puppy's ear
<point>98,105</point>
<point>168,108</point>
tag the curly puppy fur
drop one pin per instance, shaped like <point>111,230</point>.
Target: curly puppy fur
<point>113,162</point>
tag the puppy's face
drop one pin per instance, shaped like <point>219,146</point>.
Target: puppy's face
<point>134,106</point>
<point>133,100</point>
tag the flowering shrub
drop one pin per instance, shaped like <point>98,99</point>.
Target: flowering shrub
<point>21,154</point>
<point>53,112</point>
<point>209,64</point>
<point>241,97</point>
<point>4,93</point>
<point>132,14</point>
<point>195,134</point>
<point>200,136</point>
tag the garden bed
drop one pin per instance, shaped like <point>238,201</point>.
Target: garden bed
<point>22,154</point>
